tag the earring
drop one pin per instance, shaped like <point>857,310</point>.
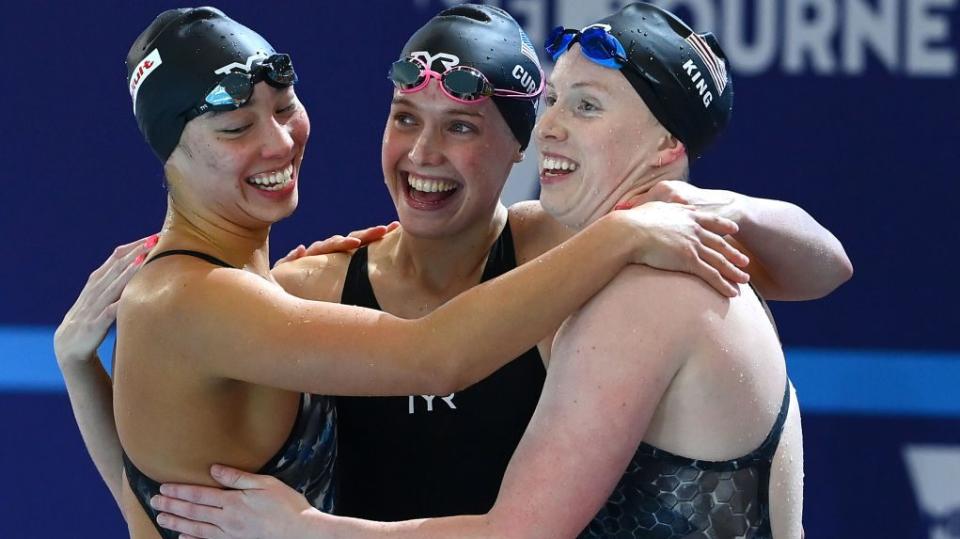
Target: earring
<point>520,157</point>
<point>660,162</point>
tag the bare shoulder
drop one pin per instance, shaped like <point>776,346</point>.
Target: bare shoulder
<point>175,288</point>
<point>534,230</point>
<point>318,278</point>
<point>646,302</point>
<point>176,305</point>
<point>189,309</point>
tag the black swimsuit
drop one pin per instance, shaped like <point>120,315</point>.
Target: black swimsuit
<point>666,496</point>
<point>420,456</point>
<point>304,462</point>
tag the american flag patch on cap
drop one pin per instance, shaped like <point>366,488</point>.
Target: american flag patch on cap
<point>715,65</point>
<point>526,48</point>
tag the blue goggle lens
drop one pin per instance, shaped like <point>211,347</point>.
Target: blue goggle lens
<point>601,47</point>
<point>235,89</point>
<point>597,44</point>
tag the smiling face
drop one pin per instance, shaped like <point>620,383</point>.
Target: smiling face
<point>597,140</point>
<point>242,165</point>
<point>445,162</point>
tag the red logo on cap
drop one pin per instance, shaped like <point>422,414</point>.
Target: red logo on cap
<point>143,70</point>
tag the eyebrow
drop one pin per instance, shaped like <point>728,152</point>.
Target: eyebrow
<point>458,110</point>
<point>585,84</point>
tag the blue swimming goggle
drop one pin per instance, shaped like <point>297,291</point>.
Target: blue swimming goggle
<point>235,88</point>
<point>597,44</point>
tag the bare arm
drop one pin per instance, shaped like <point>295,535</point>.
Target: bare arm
<point>91,397</point>
<point>75,344</point>
<point>86,324</point>
<point>251,331</point>
<point>802,259</point>
<point>590,419</point>
<point>600,393</point>
<point>793,258</point>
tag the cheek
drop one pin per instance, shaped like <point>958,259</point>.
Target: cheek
<point>393,146</point>
<point>300,127</point>
<point>618,149</point>
<point>489,161</point>
<point>222,162</point>
<point>484,171</point>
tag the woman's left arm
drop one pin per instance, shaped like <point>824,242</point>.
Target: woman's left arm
<point>793,257</point>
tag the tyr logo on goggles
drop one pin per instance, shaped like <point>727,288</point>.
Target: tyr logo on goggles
<point>596,43</point>
<point>464,84</point>
<point>235,88</point>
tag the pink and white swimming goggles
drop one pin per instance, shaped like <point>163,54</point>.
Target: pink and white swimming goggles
<point>463,84</point>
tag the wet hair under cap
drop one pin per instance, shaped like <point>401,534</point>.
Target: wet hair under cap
<point>686,83</point>
<point>174,64</point>
<point>486,38</point>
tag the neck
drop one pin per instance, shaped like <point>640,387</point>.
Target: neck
<point>238,246</point>
<point>447,263</point>
<point>636,184</point>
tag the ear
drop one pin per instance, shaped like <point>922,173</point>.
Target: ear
<point>669,151</point>
<point>171,171</point>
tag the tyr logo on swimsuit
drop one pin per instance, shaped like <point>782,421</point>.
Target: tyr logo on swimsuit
<point>411,402</point>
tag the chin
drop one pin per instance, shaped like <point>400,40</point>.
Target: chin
<point>425,229</point>
<point>556,210</point>
<point>279,214</point>
<point>289,210</point>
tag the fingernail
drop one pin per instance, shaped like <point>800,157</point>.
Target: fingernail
<point>152,240</point>
<point>153,502</point>
<point>162,520</point>
<point>139,260</point>
<point>622,206</point>
<point>216,470</point>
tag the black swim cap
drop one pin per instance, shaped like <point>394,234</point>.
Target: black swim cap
<point>490,40</point>
<point>687,86</point>
<point>175,63</point>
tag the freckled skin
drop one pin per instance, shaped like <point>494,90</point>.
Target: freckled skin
<point>432,135</point>
<point>606,128</point>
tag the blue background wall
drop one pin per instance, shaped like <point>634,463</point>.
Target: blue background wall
<point>859,126</point>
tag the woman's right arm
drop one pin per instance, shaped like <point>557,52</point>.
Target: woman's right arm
<point>248,330</point>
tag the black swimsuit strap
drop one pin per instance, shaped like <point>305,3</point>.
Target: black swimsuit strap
<point>358,290</point>
<point>502,257</point>
<point>196,254</point>
<point>769,446</point>
<point>144,488</point>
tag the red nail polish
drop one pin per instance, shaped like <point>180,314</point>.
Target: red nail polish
<point>152,240</point>
<point>139,259</point>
